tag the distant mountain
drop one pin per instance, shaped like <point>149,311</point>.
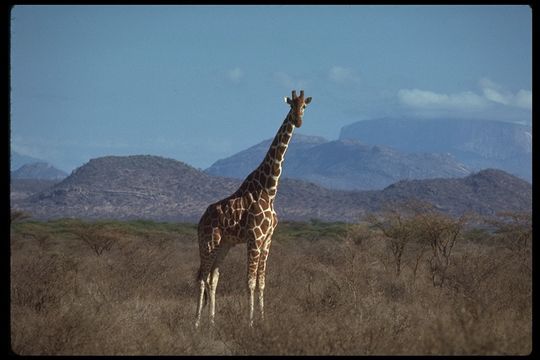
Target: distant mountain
<point>343,164</point>
<point>485,192</point>
<point>18,160</point>
<point>124,187</point>
<point>479,144</point>
<point>242,163</point>
<point>23,188</point>
<point>151,187</point>
<point>38,170</point>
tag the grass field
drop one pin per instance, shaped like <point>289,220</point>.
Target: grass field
<point>115,287</point>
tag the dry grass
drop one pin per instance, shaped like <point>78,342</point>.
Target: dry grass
<point>331,289</point>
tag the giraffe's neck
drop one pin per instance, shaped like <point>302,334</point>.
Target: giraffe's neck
<point>267,175</point>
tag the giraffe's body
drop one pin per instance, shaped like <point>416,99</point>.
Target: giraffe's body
<point>247,216</point>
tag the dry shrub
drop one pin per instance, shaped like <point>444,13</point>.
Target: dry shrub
<point>335,294</point>
<point>19,215</point>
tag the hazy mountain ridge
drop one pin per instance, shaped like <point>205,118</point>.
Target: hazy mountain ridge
<point>244,162</point>
<point>485,192</point>
<point>479,144</point>
<point>17,160</point>
<point>38,171</point>
<point>343,164</point>
<point>152,187</point>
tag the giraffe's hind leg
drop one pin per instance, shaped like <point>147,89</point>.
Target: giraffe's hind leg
<point>203,279</point>
<point>221,253</point>
<point>210,249</point>
<point>207,255</point>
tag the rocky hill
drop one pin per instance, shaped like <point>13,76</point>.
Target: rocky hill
<point>343,164</point>
<point>486,192</point>
<point>22,188</point>
<point>125,187</point>
<point>38,170</point>
<point>151,187</point>
<point>479,144</point>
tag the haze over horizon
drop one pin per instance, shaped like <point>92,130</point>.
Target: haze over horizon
<point>90,81</point>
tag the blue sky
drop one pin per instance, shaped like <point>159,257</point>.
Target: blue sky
<point>199,83</point>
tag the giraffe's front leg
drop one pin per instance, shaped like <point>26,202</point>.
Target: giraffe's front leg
<point>261,272</point>
<point>253,261</point>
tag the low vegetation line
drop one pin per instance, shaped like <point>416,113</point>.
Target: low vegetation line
<point>403,281</point>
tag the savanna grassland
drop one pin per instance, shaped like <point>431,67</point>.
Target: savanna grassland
<point>393,284</point>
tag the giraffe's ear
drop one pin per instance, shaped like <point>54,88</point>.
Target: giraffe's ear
<point>287,100</point>
<point>308,100</point>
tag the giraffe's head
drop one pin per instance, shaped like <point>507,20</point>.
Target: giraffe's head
<point>298,104</point>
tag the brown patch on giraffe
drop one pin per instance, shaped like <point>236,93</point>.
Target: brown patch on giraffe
<point>270,182</point>
<point>280,151</point>
<point>234,207</point>
<point>278,171</point>
<point>258,233</point>
<point>255,252</point>
<point>265,225</point>
<point>246,200</point>
<point>259,217</point>
<point>254,209</point>
<point>263,203</point>
<point>251,187</point>
<point>257,176</point>
<point>285,138</point>
<point>266,169</point>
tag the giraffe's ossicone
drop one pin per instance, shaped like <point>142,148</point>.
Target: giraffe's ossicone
<point>247,216</point>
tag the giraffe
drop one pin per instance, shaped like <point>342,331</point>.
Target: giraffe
<point>246,216</point>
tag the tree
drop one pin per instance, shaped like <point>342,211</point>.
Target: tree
<point>397,223</point>
<point>514,228</point>
<point>417,221</point>
<point>440,232</point>
<point>95,236</point>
